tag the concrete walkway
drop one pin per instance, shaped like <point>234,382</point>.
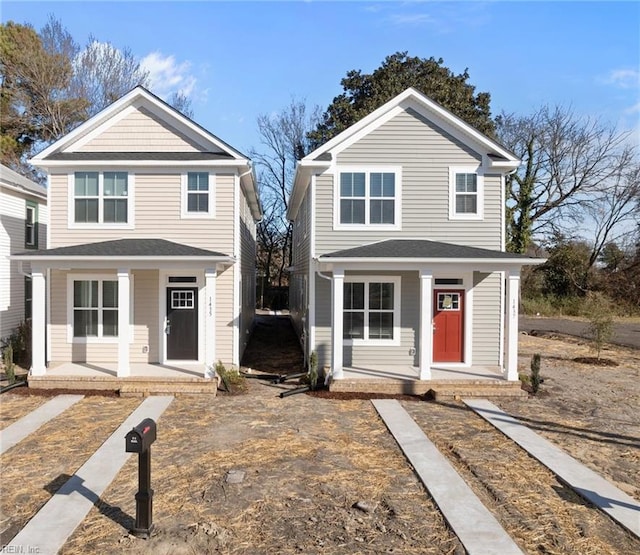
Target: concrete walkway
<point>49,529</point>
<point>28,424</point>
<point>471,521</point>
<point>603,494</point>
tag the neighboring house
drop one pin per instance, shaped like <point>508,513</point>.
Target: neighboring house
<point>399,266</point>
<point>23,217</point>
<point>151,254</point>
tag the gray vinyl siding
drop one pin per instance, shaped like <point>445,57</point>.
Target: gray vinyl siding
<point>323,321</point>
<point>299,282</point>
<point>425,153</point>
<point>486,318</point>
<point>248,272</point>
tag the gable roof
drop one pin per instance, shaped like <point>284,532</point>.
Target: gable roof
<point>210,148</point>
<point>413,250</point>
<point>495,156</point>
<point>17,182</point>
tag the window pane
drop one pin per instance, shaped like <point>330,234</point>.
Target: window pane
<point>86,184</point>
<point>388,184</point>
<point>353,325</point>
<point>85,294</point>
<point>197,202</point>
<point>110,294</point>
<point>115,184</point>
<point>466,204</point>
<point>198,181</point>
<point>466,182</point>
<point>86,210</point>
<point>381,325</point>
<point>381,296</point>
<point>85,323</point>
<point>115,210</point>
<point>110,323</point>
<point>375,180</point>
<point>382,212</point>
<point>352,211</point>
<point>346,184</point>
<point>354,296</point>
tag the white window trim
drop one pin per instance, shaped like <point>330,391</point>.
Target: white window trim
<point>71,205</point>
<point>396,280</point>
<point>95,277</point>
<point>453,170</point>
<point>184,213</point>
<point>397,216</point>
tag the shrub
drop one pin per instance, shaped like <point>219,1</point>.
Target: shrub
<point>313,370</point>
<point>9,367</point>
<point>600,321</point>
<point>20,342</point>
<point>231,378</point>
<point>535,379</point>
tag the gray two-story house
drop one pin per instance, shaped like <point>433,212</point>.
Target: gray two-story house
<point>399,267</point>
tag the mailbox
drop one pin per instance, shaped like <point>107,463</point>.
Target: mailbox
<point>140,438</point>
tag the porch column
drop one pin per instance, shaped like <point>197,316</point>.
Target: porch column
<point>511,321</point>
<point>38,324</point>
<point>210,319</point>
<point>426,326</point>
<point>337,286</point>
<point>124,326</point>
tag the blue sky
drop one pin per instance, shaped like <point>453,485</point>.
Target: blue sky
<point>237,60</point>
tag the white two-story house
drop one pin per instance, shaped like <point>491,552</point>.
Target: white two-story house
<point>399,266</point>
<point>151,251</point>
<point>23,226</point>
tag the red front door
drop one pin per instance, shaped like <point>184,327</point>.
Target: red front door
<point>448,319</point>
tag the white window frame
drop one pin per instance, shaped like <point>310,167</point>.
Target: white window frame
<point>367,280</point>
<point>453,171</point>
<point>100,224</point>
<point>184,197</point>
<point>70,308</point>
<point>368,170</point>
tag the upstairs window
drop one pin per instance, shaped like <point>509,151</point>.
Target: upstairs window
<point>101,198</point>
<point>197,195</point>
<point>368,198</point>
<point>31,225</point>
<point>466,194</point>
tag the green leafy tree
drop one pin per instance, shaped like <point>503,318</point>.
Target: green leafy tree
<point>363,93</point>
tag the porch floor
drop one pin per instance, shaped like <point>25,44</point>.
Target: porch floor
<point>446,381</point>
<point>144,379</point>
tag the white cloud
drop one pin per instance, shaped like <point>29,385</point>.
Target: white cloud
<point>411,19</point>
<point>623,78</point>
<point>167,76</point>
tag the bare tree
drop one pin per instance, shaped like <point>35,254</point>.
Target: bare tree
<point>567,163</point>
<point>283,137</point>
<point>104,73</point>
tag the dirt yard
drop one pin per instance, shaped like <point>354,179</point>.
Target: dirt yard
<point>317,474</point>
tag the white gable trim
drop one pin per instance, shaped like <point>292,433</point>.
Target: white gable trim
<point>121,108</point>
<point>411,98</point>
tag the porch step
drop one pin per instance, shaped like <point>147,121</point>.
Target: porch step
<point>127,387</point>
<point>439,389</point>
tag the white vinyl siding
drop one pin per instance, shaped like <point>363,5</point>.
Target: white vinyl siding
<point>486,345</point>
<point>248,269</point>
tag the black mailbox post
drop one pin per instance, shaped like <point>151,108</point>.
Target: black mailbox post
<point>139,440</point>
